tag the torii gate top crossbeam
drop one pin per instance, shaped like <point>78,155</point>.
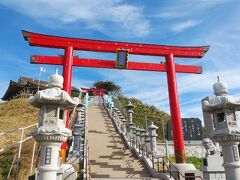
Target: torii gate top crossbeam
<point>49,41</point>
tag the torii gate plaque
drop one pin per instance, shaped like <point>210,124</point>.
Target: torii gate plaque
<point>169,52</point>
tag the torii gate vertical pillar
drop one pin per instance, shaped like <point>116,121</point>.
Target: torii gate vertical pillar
<point>175,111</point>
<point>67,74</point>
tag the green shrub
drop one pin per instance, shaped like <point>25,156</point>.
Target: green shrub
<point>197,162</point>
<point>5,164</point>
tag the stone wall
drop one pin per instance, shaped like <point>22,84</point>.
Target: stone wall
<point>192,148</point>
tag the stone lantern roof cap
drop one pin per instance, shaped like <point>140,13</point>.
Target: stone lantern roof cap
<point>134,127</point>
<point>56,80</point>
<point>221,101</point>
<point>130,105</point>
<point>220,88</point>
<point>152,126</point>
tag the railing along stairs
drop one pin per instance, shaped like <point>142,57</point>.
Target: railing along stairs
<point>9,146</point>
<point>158,164</point>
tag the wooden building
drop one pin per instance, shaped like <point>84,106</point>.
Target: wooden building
<point>26,87</point>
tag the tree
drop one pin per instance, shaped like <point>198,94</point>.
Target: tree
<point>108,86</point>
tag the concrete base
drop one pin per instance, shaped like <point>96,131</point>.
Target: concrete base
<point>212,169</point>
<point>184,167</point>
<point>181,171</point>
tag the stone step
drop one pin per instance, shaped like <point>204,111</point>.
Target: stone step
<point>133,178</point>
<point>118,175</point>
<point>109,156</point>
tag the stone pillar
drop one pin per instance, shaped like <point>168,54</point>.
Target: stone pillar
<point>230,152</point>
<point>51,130</point>
<point>115,114</point>
<point>78,129</point>
<point>152,134</point>
<point>86,99</point>
<point>111,108</point>
<point>49,160</point>
<point>123,126</point>
<point>130,134</point>
<point>138,134</point>
<point>134,136</point>
<point>147,139</point>
<point>142,135</point>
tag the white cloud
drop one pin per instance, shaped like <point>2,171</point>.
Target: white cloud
<point>181,26</point>
<point>186,8</point>
<point>95,14</point>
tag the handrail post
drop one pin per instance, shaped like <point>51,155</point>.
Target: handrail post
<point>153,161</point>
<point>163,163</point>
<point>20,144</point>
<point>33,153</point>
<point>19,152</point>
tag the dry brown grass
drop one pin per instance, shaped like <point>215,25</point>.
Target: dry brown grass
<point>13,115</point>
<point>16,113</point>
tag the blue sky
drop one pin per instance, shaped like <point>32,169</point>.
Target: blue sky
<point>168,22</point>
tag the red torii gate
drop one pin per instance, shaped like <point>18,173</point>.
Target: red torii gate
<point>99,92</point>
<point>169,52</point>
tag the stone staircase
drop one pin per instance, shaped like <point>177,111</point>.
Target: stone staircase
<point>109,156</point>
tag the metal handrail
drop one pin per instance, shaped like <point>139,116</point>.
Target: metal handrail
<point>87,168</point>
<point>119,105</point>
<point>145,151</point>
<point>23,139</point>
<point>22,130</point>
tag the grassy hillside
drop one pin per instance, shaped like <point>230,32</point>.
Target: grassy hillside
<point>144,113</point>
<point>18,113</point>
<point>13,115</point>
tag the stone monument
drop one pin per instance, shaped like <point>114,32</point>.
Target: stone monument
<point>51,131</point>
<point>220,112</point>
<point>212,163</point>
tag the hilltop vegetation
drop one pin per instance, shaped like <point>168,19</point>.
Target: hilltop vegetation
<point>145,114</point>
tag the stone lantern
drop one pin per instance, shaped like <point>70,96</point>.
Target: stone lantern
<point>51,131</point>
<point>222,109</point>
<point>153,137</point>
<point>129,108</point>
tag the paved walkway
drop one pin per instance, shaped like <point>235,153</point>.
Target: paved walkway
<point>108,155</point>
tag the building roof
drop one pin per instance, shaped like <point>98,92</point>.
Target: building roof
<point>25,83</point>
